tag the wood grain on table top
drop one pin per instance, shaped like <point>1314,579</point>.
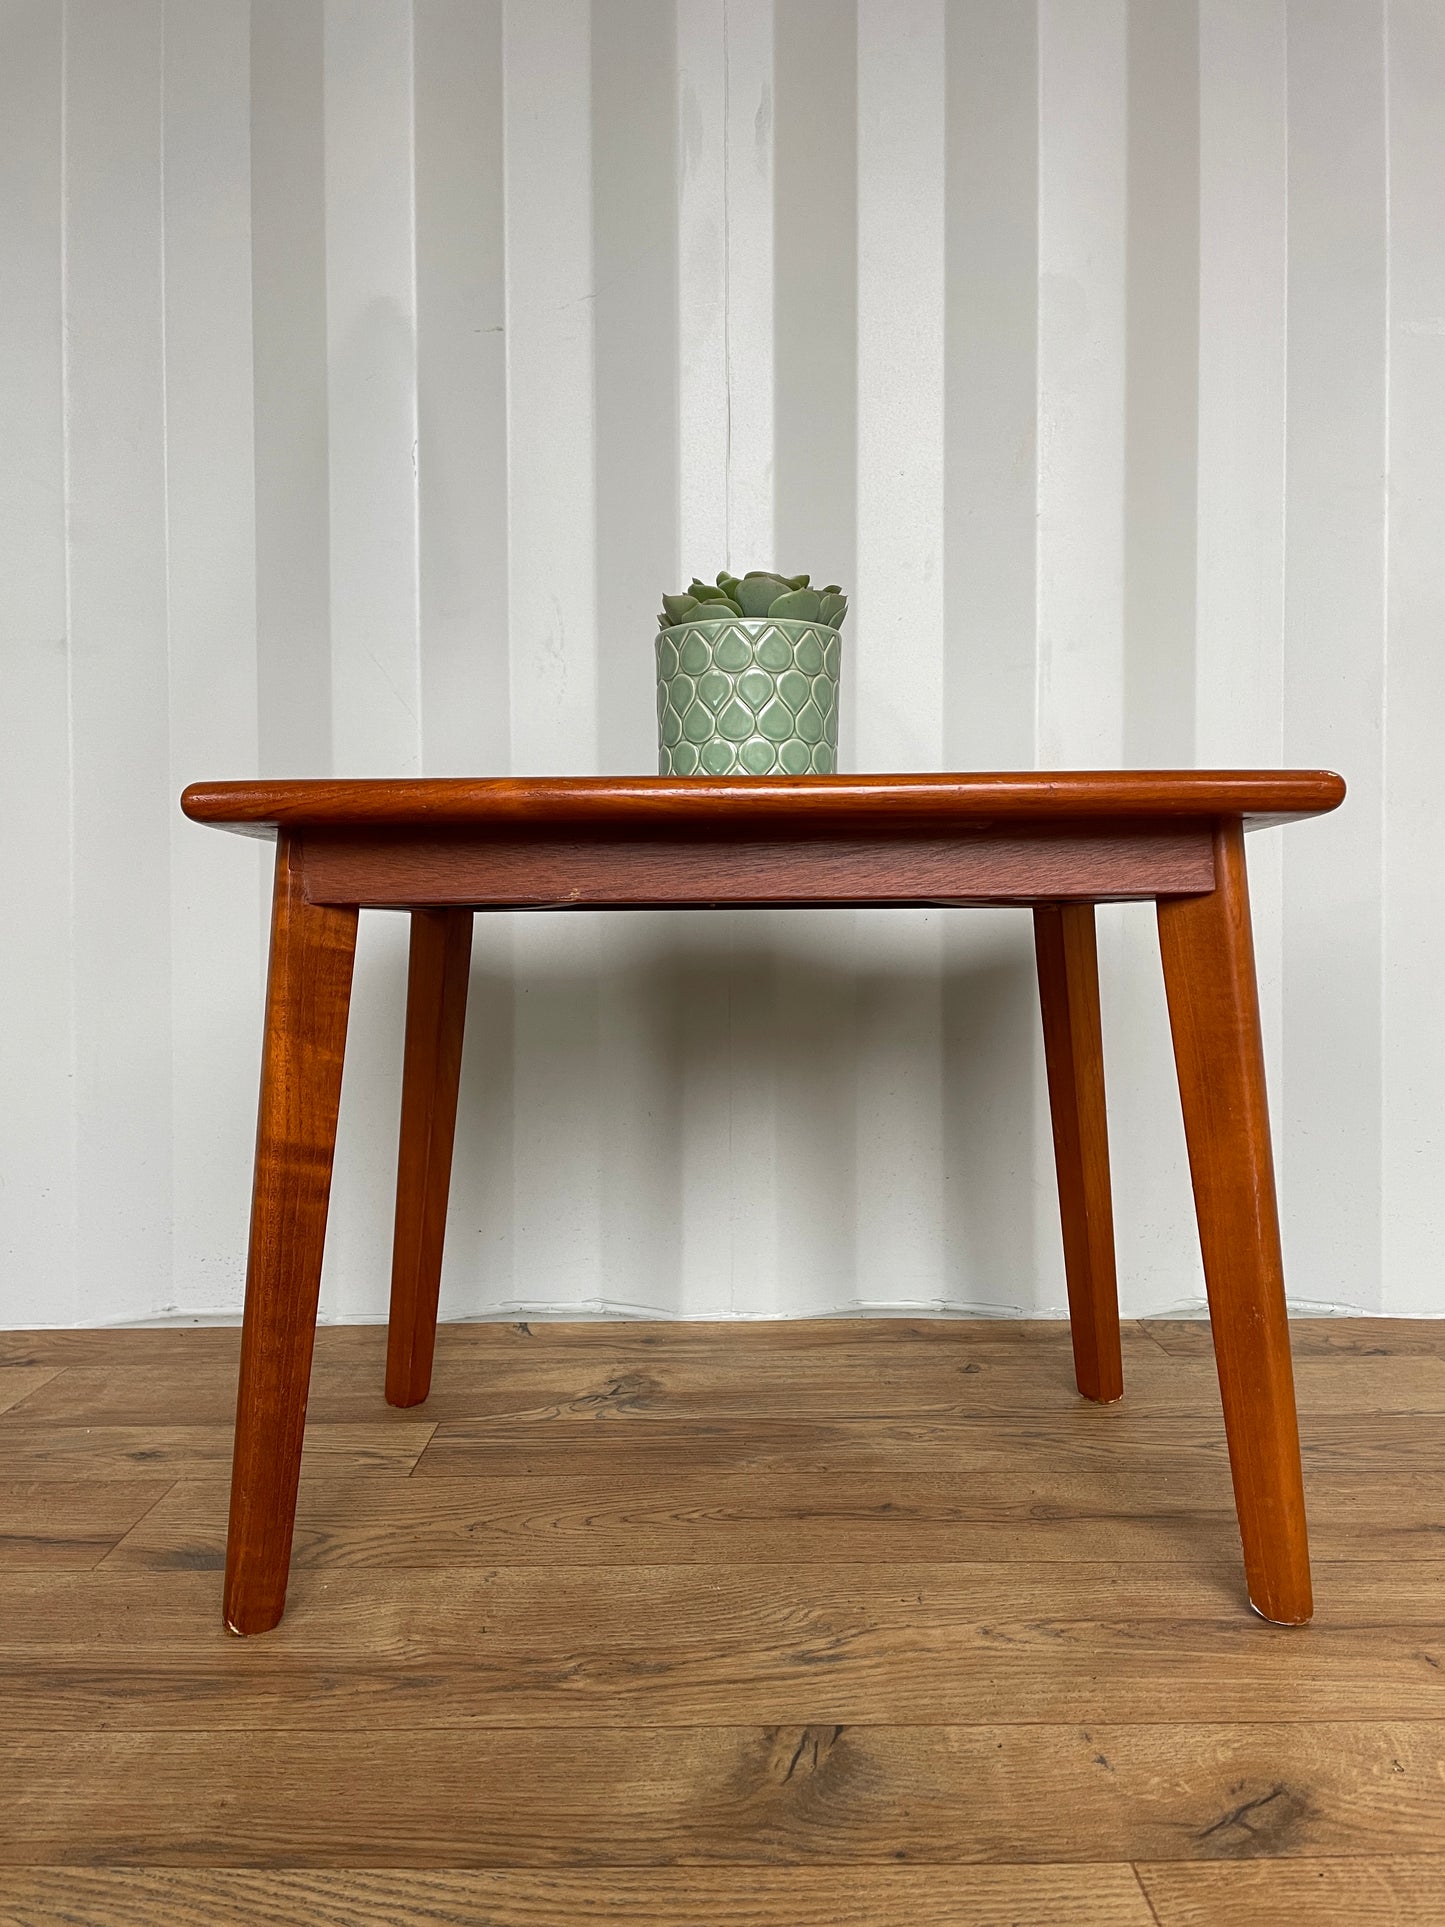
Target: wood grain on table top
<point>667,805</point>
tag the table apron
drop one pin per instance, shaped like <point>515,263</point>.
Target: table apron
<point>1024,864</point>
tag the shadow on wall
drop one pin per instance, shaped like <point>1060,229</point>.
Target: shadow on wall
<point>687,1121</point>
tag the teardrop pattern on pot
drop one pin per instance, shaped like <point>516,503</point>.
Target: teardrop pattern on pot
<point>749,697</point>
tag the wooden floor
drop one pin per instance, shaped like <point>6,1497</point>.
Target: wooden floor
<point>825,1624</point>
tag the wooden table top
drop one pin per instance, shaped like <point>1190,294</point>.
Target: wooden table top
<point>651,806</point>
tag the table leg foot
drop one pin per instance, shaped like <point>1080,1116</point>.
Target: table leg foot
<point>436,1010</point>
<point>307,996</point>
<point>1068,968</point>
<point>1208,955</point>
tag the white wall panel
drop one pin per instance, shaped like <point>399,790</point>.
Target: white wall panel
<point>461,374</point>
<point>815,299</point>
<point>463,532</point>
<point>123,797</point>
<point>1152,1196</point>
<point>37,1065</point>
<point>558,1107</point>
<point>896,720</point>
<point>370,367</point>
<point>634,111</point>
<point>725,288</point>
<point>815,305</point>
<point>376,684</point>
<point>1089,72</point>
<point>1161,382</point>
<point>999,1228</point>
<point>210,478</point>
<point>1334,644</point>
<point>289,388</point>
<point>1239,544</point>
<point>371,386</point>
<point>727,1010</point>
<point>1083,122</point>
<point>1413,1061</point>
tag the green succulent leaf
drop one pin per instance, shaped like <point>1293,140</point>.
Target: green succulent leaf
<point>756,594</point>
<point>759,593</point>
<point>797,605</point>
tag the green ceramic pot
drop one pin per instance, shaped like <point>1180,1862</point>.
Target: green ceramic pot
<point>747,696</point>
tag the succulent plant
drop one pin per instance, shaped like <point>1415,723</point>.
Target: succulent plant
<point>760,592</point>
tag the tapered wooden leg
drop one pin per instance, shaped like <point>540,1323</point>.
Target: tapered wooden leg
<point>307,996</point>
<point>436,1012</point>
<point>1208,953</point>
<point>1068,965</point>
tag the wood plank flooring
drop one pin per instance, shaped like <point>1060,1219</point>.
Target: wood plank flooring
<point>821,1623</point>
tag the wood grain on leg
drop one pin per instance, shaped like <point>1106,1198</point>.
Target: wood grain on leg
<point>1068,967</point>
<point>1208,954</point>
<point>307,996</point>
<point>436,1011</point>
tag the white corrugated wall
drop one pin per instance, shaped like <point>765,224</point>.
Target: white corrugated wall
<point>369,369</point>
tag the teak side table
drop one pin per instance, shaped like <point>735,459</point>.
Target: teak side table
<point>1057,843</point>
